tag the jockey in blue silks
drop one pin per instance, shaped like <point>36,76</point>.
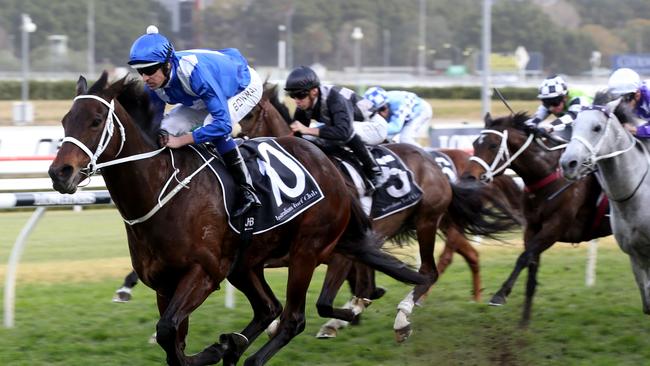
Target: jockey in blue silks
<point>212,90</point>
<point>626,84</point>
<point>406,113</point>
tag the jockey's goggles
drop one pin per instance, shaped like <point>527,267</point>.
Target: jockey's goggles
<point>553,102</point>
<point>300,94</point>
<point>149,70</point>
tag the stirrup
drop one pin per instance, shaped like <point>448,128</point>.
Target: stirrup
<point>250,201</point>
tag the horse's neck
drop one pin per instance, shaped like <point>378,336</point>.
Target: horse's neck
<point>535,164</point>
<point>622,175</point>
<point>134,182</point>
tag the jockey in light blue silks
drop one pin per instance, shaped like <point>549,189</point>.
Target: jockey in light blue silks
<point>213,90</point>
<point>626,84</point>
<point>406,113</point>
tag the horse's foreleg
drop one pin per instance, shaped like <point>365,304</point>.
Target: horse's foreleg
<point>531,285</point>
<point>172,327</point>
<point>641,270</point>
<point>499,298</point>
<point>426,233</point>
<point>292,319</point>
<point>266,306</point>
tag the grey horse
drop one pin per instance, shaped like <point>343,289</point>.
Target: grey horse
<point>600,143</point>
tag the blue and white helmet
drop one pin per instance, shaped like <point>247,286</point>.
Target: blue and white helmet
<point>552,87</point>
<point>150,49</point>
<point>377,96</point>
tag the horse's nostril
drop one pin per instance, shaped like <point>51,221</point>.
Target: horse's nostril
<point>572,164</point>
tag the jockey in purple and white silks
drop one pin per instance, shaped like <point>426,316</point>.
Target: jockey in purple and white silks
<point>406,113</point>
<point>212,90</point>
<point>626,84</point>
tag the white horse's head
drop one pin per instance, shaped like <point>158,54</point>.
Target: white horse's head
<point>597,135</point>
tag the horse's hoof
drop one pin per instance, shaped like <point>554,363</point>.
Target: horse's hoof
<point>121,296</point>
<point>401,335</point>
<point>377,293</point>
<point>234,342</point>
<point>497,300</point>
<point>152,339</point>
<point>326,333</point>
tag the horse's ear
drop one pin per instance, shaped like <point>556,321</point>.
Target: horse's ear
<point>487,119</point>
<point>611,106</point>
<point>82,85</point>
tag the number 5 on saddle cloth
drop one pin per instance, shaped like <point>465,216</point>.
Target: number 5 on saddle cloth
<point>398,193</point>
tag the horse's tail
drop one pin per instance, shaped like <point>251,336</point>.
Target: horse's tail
<point>364,245</point>
<point>478,211</point>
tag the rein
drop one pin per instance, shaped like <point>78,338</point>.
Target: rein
<point>105,139</point>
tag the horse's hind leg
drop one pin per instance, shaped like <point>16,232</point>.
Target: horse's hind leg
<point>463,247</point>
<point>338,269</point>
<point>457,242</point>
<point>292,319</point>
<point>426,234</point>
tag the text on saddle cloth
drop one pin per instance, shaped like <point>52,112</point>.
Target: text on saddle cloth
<point>398,193</point>
<point>283,185</point>
<point>445,163</point>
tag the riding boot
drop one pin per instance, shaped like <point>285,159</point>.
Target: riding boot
<point>237,168</point>
<point>371,169</point>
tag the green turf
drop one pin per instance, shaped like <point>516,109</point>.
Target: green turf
<point>64,319</point>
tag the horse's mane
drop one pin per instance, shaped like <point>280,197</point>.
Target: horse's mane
<point>271,94</point>
<point>135,100</point>
<point>512,120</point>
<point>622,111</point>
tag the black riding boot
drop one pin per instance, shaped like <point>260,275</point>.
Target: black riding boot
<point>370,167</point>
<point>247,197</point>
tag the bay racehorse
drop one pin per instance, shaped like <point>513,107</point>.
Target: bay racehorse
<point>554,209</point>
<point>600,143</point>
<point>466,209</point>
<point>181,244</point>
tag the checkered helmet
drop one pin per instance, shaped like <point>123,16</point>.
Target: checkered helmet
<point>377,96</point>
<point>552,87</point>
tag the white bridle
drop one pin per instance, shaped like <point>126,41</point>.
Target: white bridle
<point>105,139</point>
<point>491,170</point>
<point>593,158</point>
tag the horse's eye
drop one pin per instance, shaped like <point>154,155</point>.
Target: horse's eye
<point>597,128</point>
<point>493,146</point>
<point>96,122</point>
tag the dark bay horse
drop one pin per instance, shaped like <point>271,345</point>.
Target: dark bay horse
<point>464,207</point>
<point>182,246</point>
<point>554,209</point>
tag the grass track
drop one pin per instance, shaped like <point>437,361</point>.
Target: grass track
<point>74,262</point>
